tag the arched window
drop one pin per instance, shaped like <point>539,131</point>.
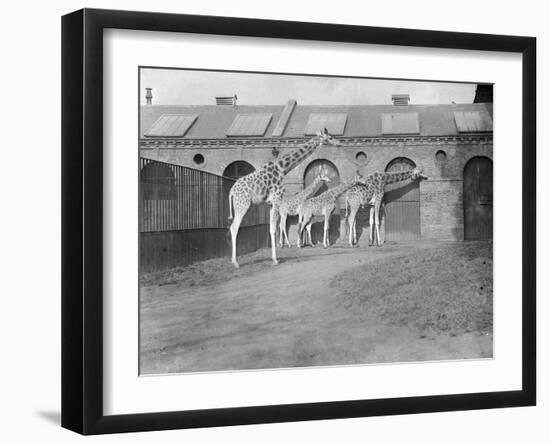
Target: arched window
<point>313,170</point>
<point>238,169</point>
<point>400,164</point>
<point>234,171</point>
<point>361,158</point>
<point>157,182</point>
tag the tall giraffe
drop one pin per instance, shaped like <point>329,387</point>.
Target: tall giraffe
<point>323,204</point>
<point>289,205</point>
<point>266,185</point>
<point>370,191</point>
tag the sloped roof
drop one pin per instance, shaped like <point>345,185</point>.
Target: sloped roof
<point>169,125</point>
<point>214,121</point>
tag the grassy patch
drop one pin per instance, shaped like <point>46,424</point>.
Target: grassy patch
<point>218,270</point>
<point>448,288</point>
<point>208,272</point>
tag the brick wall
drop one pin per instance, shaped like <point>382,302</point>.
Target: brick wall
<point>441,205</point>
<point>441,209</point>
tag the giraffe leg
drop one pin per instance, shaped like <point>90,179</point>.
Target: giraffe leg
<point>353,234</point>
<point>377,222</point>
<point>287,239</point>
<point>304,229</point>
<point>240,212</point>
<point>273,219</point>
<point>382,223</point>
<point>371,224</point>
<point>300,230</point>
<point>285,232</point>
<point>326,228</point>
<point>282,229</point>
<point>308,228</point>
<point>350,228</point>
<point>351,222</point>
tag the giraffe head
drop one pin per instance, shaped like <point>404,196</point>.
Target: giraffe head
<point>323,174</point>
<point>418,174</point>
<point>327,139</point>
<point>357,178</point>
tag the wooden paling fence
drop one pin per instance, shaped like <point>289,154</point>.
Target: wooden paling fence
<point>184,216</point>
<point>175,197</point>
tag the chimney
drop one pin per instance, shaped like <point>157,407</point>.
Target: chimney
<point>400,99</point>
<point>149,96</point>
<point>226,100</point>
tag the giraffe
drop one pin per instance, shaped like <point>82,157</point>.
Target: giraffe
<point>370,191</point>
<point>360,194</point>
<point>323,204</point>
<point>266,185</point>
<point>289,206</point>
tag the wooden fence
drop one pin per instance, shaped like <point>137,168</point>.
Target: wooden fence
<point>175,197</point>
<point>184,217</point>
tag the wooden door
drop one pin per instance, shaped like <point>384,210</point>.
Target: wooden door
<point>478,199</point>
<point>402,205</point>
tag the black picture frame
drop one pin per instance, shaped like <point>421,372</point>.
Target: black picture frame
<point>82,218</point>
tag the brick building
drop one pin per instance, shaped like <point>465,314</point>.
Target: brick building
<point>452,143</point>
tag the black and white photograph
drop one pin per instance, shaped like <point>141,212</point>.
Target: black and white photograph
<point>298,221</point>
<point>275,222</point>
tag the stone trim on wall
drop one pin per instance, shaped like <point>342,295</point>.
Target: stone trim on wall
<point>174,143</point>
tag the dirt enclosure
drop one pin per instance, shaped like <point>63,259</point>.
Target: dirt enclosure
<point>419,301</point>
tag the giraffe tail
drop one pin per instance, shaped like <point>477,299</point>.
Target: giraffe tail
<point>230,205</point>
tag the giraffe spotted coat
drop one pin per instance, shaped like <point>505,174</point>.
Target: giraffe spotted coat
<point>322,205</point>
<point>370,191</point>
<point>290,205</point>
<point>266,185</point>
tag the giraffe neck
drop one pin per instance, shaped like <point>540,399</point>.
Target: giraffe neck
<point>338,190</point>
<point>289,161</point>
<point>394,177</point>
<point>311,189</point>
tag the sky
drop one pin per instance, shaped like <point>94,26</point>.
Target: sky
<point>186,87</point>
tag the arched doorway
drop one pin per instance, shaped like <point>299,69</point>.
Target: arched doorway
<point>314,169</point>
<point>402,204</point>
<point>478,199</point>
<point>238,169</point>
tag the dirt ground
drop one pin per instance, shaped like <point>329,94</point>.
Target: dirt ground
<point>420,301</point>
